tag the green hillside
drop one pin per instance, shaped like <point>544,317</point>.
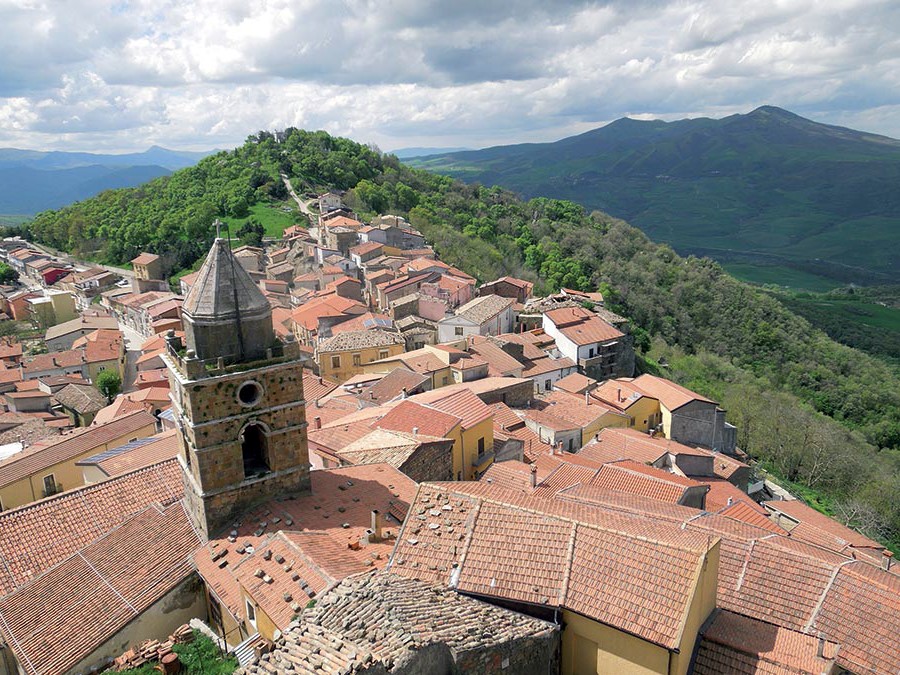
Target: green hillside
<point>767,183</point>
<point>793,391</point>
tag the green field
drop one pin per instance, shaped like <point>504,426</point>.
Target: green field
<point>856,322</point>
<point>780,276</point>
<point>270,216</point>
<point>12,219</point>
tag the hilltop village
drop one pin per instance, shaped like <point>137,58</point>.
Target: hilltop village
<point>335,453</point>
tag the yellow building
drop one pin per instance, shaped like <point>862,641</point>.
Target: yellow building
<point>344,355</point>
<point>642,409</point>
<point>473,436</point>
<point>147,266</point>
<point>53,308</point>
<point>50,467</point>
<point>429,361</point>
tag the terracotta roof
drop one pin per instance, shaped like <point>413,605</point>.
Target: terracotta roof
<point>394,384</point>
<point>506,422</point>
<point>88,323</point>
<point>582,326</point>
<point>639,479</point>
<point>540,551</point>
<point>315,387</point>
<point>136,454</point>
<point>743,511</point>
<point>409,415</point>
<point>308,314</point>
<point>613,444</point>
<point>671,395</point>
<point>367,247</point>
<point>499,362</point>
<point>459,402</point>
<point>722,494</point>
<point>737,644</point>
<point>411,616</point>
<point>61,617</point>
<point>575,383</point>
<point>30,461</point>
<point>37,536</point>
<point>338,497</point>
<point>144,259</point>
<point>817,528</point>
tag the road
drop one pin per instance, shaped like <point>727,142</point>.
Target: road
<point>133,342</point>
<point>128,274</point>
<point>302,205</point>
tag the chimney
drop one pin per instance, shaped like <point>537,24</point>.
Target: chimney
<point>321,381</point>
<point>415,431</point>
<point>587,397</point>
<point>533,476</point>
<point>377,525</point>
<point>404,393</point>
<point>820,649</point>
<point>730,501</point>
<point>317,422</point>
<point>886,560</point>
<point>619,394</point>
<point>559,448</point>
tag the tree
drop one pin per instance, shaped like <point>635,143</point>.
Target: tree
<point>7,274</point>
<point>251,233</point>
<point>109,384</point>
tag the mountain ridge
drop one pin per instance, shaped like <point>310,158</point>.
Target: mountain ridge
<point>769,181</point>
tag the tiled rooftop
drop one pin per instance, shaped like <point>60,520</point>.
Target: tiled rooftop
<point>37,536</point>
<point>136,454</point>
<point>359,339</point>
<point>737,644</point>
<point>380,621</point>
<point>59,618</point>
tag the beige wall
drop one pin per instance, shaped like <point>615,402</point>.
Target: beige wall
<point>644,412</point>
<point>68,475</point>
<point>183,603</point>
<point>346,369</point>
<point>470,438</point>
<point>609,419</point>
<point>264,625</point>
<point>702,605</point>
<point>593,648</point>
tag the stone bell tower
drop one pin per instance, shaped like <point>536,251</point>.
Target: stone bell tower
<point>237,393</point>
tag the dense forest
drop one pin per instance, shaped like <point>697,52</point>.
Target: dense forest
<point>819,415</point>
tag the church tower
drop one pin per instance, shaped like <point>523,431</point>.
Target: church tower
<point>237,394</point>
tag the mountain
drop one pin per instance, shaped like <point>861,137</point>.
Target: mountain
<point>769,184</point>
<point>153,156</point>
<point>32,181</point>
<point>408,153</point>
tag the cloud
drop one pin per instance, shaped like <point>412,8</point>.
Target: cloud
<point>88,74</point>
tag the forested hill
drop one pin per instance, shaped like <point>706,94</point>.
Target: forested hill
<point>716,334</point>
<point>766,182</point>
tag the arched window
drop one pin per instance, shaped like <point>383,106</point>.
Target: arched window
<point>254,446</point>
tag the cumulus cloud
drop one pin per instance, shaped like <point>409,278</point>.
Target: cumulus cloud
<point>123,75</point>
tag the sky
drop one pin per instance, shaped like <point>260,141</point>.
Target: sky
<point>121,76</point>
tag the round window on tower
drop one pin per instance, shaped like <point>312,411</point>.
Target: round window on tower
<point>249,394</point>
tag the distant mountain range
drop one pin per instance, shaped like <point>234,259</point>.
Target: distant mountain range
<point>406,153</point>
<point>33,181</point>
<point>768,183</point>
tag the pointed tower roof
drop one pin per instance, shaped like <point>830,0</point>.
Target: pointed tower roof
<point>222,288</point>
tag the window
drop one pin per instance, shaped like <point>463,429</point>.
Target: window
<point>335,361</point>
<point>548,385</point>
<point>356,361</point>
<point>249,394</point>
<point>251,613</point>
<point>481,446</point>
<point>458,330</point>
<point>50,485</point>
<point>255,451</point>
<point>571,444</point>
<point>446,381</point>
<point>591,353</point>
<point>383,353</point>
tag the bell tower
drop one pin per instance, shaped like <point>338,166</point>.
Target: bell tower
<point>237,393</point>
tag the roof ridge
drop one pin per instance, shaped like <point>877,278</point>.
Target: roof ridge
<point>815,612</point>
